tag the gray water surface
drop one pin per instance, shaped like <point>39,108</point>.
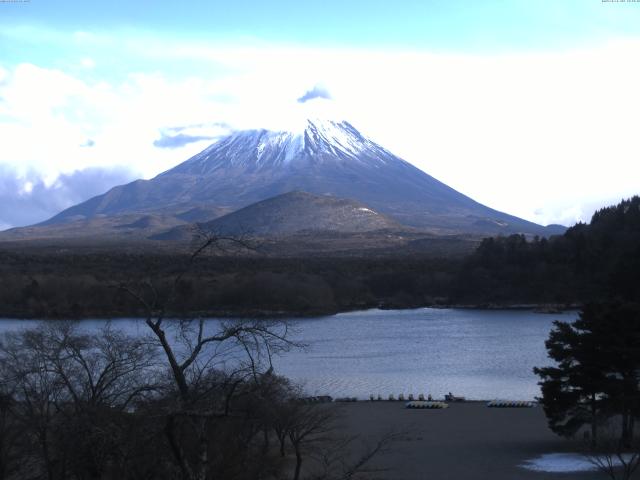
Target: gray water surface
<point>480,354</point>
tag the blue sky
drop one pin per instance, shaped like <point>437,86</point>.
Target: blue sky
<point>438,24</point>
<point>480,94</point>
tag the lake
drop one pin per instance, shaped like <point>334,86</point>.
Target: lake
<point>480,354</point>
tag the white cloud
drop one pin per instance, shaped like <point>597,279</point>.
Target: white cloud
<point>545,136</point>
<point>55,123</point>
<point>27,198</point>
<point>87,63</point>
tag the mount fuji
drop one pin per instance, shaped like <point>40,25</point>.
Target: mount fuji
<point>324,158</point>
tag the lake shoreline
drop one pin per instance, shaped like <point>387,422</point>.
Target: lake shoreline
<point>542,308</point>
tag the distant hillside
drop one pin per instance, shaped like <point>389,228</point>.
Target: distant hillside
<point>100,229</point>
<point>300,223</point>
<point>296,212</point>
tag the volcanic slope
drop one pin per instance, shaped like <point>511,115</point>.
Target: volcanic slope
<point>324,158</point>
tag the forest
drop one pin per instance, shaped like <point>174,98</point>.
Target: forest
<point>589,262</point>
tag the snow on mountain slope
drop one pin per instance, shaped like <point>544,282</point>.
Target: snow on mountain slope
<point>267,149</point>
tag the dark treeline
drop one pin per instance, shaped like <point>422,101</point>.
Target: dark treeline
<point>81,285</point>
<point>590,262</point>
<point>595,261</point>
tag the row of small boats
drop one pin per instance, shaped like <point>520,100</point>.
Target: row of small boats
<point>421,401</point>
<point>400,398</point>
<point>491,404</point>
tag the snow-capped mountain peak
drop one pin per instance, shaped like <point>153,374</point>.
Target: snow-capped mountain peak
<point>317,141</point>
<point>336,136</point>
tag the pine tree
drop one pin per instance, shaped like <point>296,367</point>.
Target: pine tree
<point>597,373</point>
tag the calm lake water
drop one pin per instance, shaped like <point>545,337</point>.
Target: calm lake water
<point>480,354</point>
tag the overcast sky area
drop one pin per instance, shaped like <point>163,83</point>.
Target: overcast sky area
<point>530,107</point>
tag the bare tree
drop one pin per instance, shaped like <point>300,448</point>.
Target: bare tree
<point>193,398</point>
<point>194,347</point>
<point>314,433</point>
<point>72,394</point>
<point>36,391</point>
<point>336,464</point>
<point>614,456</point>
<point>9,437</point>
<point>309,424</point>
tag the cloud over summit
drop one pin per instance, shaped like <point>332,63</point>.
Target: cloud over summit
<point>176,137</point>
<point>178,140</point>
<point>317,91</point>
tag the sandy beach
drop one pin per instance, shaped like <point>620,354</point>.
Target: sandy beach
<point>465,441</point>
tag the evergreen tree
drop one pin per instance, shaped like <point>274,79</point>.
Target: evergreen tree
<point>598,370</point>
<point>573,391</point>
